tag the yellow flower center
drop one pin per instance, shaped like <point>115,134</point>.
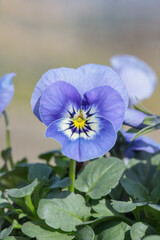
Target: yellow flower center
<point>79,122</point>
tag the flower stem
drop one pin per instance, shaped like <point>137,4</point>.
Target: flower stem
<point>72,170</point>
<point>8,137</point>
<point>29,204</point>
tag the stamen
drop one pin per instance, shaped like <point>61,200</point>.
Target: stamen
<point>81,124</point>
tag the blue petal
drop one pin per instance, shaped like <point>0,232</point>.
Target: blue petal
<point>6,90</point>
<point>6,80</point>
<point>145,144</point>
<point>107,103</point>
<point>100,75</point>
<point>59,100</point>
<point>84,79</point>
<point>80,148</point>
<point>139,79</point>
<point>142,143</point>
<point>69,75</point>
<point>134,118</point>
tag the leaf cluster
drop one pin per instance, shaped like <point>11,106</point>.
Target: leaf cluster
<point>111,200</point>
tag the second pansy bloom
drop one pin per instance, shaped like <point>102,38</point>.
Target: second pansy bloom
<point>138,77</point>
<point>138,145</point>
<point>82,108</point>
<point>6,90</point>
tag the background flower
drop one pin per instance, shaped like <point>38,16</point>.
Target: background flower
<point>139,78</point>
<point>83,108</point>
<point>134,118</point>
<point>6,90</point>
<point>139,144</point>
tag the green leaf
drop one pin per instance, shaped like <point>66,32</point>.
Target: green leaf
<point>117,192</point>
<point>2,220</point>
<point>15,238</point>
<point>6,154</point>
<point>55,193</point>
<point>3,170</point>
<point>156,179</point>
<point>48,155</point>
<point>22,161</point>
<point>3,201</point>
<point>145,173</point>
<point>155,194</point>
<point>100,176</point>
<point>12,178</point>
<point>22,192</point>
<point>136,190</point>
<point>39,171</point>
<point>62,161</point>
<point>125,227</point>
<point>137,171</point>
<point>155,207</point>
<point>40,231</point>
<point>156,160</point>
<point>85,231</point>
<point>143,108</point>
<point>151,120</point>
<point>124,207</point>
<point>57,182</point>
<point>139,230</point>
<point>5,232</point>
<point>110,231</point>
<point>64,213</point>
<point>146,130</point>
<point>62,165</point>
<point>152,237</point>
<point>155,163</point>
<point>102,220</point>
<point>103,209</point>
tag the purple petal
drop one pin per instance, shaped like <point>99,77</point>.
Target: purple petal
<point>84,79</point>
<point>6,90</point>
<point>108,104</point>
<point>68,75</point>
<point>139,78</point>
<point>134,118</point>
<point>142,143</point>
<point>100,75</point>
<point>82,148</point>
<point>145,144</point>
<point>59,100</point>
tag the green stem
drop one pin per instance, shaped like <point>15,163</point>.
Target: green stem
<point>29,204</point>
<point>87,198</point>
<point>72,170</point>
<point>8,137</point>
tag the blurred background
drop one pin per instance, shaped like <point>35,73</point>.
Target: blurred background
<point>36,35</point>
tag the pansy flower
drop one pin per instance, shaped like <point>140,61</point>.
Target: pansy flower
<point>6,90</point>
<point>139,78</point>
<point>82,108</point>
<point>143,143</point>
<point>134,118</point>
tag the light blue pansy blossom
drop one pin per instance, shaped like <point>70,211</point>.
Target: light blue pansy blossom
<point>139,78</point>
<point>82,108</point>
<point>6,90</point>
<point>134,118</point>
<point>142,143</point>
